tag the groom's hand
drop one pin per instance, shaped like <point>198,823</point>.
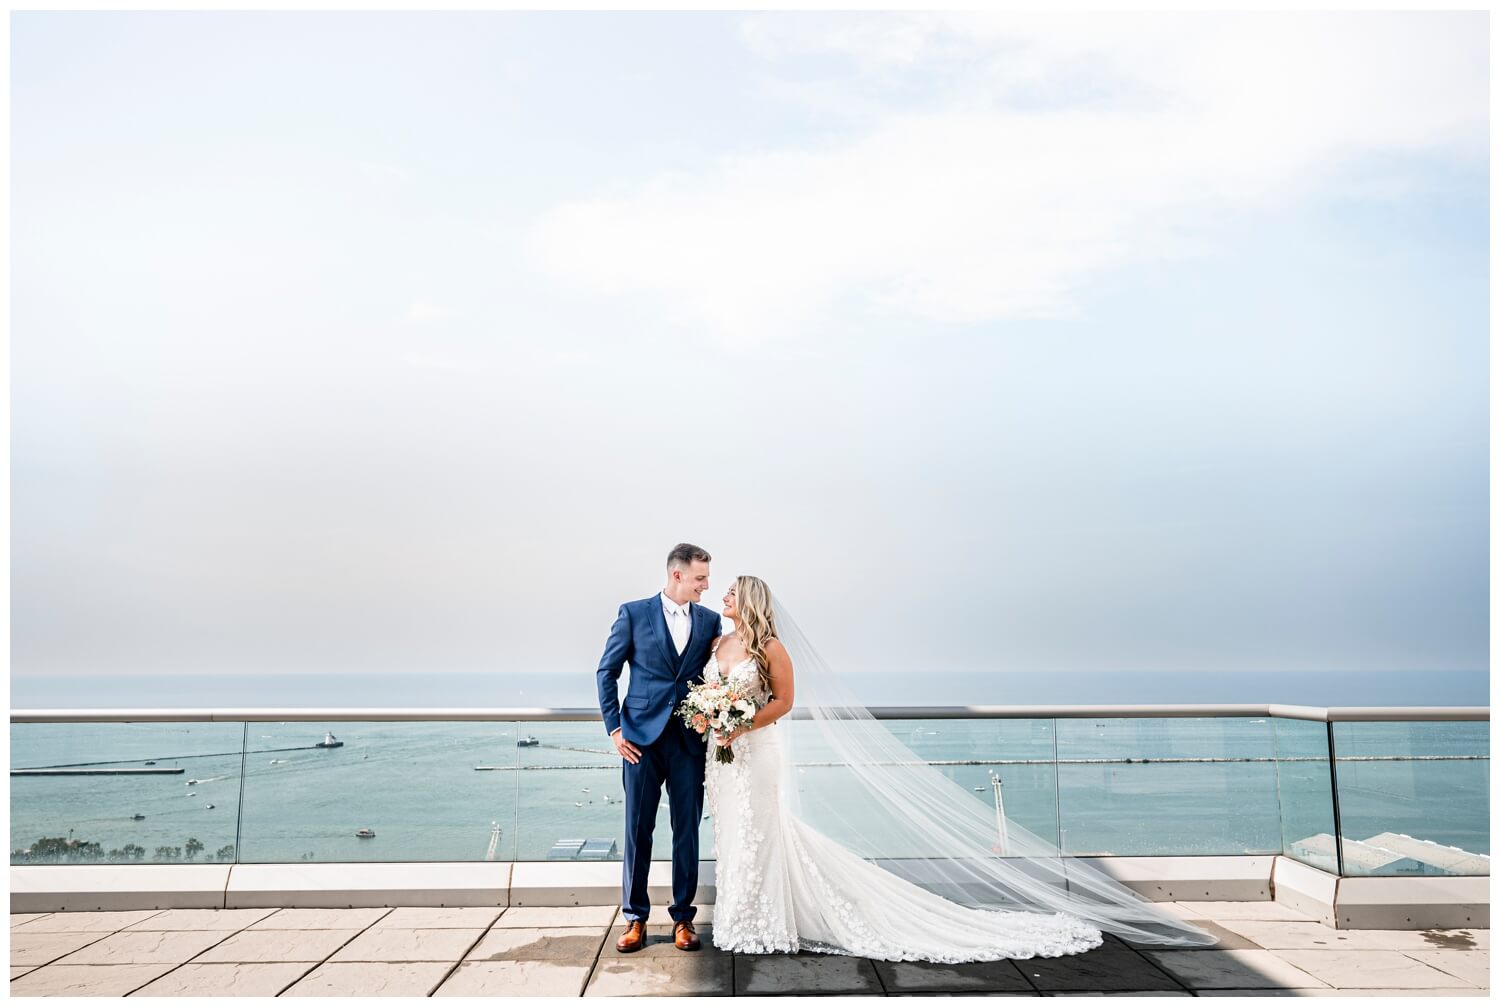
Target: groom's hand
<point>627,751</point>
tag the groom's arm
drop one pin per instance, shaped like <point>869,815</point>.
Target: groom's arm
<point>616,653</point>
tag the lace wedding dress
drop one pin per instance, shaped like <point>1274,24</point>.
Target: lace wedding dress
<point>783,886</point>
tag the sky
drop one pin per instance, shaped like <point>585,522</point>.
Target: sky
<point>410,343</point>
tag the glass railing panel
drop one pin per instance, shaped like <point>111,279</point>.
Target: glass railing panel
<point>1019,752</point>
<point>415,785</point>
<point>1167,786</point>
<point>124,793</point>
<point>1305,789</point>
<point>571,786</point>
<point>572,798</point>
<point>1414,797</point>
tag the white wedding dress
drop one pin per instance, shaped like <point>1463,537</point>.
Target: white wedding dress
<point>783,886</point>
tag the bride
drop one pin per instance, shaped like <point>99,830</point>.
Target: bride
<point>783,885</point>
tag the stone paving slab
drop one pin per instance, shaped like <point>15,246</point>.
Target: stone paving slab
<point>1242,911</point>
<point>201,919</point>
<point>1329,992</point>
<point>687,975</point>
<point>558,916</point>
<point>41,948</point>
<point>933,977</point>
<point>371,979</point>
<point>1284,935</point>
<point>508,979</point>
<point>220,979</point>
<point>16,919</point>
<point>1473,966</point>
<point>263,946</point>
<point>539,943</point>
<point>1321,991</point>
<point>108,921</point>
<point>146,947</point>
<point>805,973</point>
<point>1353,970</point>
<point>395,944</point>
<point>440,917</point>
<point>1236,969</point>
<point>1228,938</point>
<point>1111,966</point>
<point>322,919</point>
<point>86,980</point>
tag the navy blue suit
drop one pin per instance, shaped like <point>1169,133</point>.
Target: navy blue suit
<point>671,752</point>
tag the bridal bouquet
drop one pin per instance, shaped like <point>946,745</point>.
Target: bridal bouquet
<point>715,706</point>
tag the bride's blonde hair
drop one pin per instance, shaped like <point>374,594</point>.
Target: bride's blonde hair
<point>757,625</point>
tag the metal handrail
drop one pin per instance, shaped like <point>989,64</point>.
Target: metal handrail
<point>540,713</point>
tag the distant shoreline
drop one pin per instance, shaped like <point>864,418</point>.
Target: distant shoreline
<point>501,689</point>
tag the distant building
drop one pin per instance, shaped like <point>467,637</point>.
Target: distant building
<point>584,849</point>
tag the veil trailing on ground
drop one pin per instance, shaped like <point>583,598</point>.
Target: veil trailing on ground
<point>844,770</point>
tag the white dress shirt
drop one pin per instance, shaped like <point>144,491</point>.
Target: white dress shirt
<point>678,619</point>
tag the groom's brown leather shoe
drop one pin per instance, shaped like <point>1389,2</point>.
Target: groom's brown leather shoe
<point>634,937</point>
<point>685,937</point>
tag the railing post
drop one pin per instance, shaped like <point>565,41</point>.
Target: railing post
<point>1338,825</point>
<point>239,811</point>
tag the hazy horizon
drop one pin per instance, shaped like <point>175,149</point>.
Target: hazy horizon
<point>350,343</point>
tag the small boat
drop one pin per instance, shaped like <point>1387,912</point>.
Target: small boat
<point>366,833</point>
<point>137,817</point>
<point>329,741</point>
<point>585,790</point>
<point>577,804</point>
<point>527,742</point>
<point>208,807</point>
<point>192,793</point>
<point>190,783</point>
<point>277,761</point>
<point>151,763</point>
<point>978,790</point>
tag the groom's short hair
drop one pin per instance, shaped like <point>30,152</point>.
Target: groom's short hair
<point>685,553</point>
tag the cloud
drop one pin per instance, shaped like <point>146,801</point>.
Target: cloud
<point>997,164</point>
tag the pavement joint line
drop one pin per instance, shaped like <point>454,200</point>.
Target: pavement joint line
<point>1405,953</point>
<point>1158,967</point>
<point>461,958</point>
<point>351,940</point>
<point>598,953</point>
<point>1014,963</point>
<point>609,928</point>
<point>90,944</point>
<point>66,953</point>
<point>174,968</point>
<point>879,979</point>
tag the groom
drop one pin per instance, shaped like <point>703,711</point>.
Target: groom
<point>667,639</point>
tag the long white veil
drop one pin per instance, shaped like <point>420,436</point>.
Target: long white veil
<point>845,770</point>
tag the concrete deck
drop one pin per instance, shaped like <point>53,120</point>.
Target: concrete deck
<point>1265,949</point>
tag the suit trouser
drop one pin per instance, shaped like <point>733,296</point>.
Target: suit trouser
<point>676,759</point>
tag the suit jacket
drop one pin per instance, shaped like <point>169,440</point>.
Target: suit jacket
<point>659,676</point>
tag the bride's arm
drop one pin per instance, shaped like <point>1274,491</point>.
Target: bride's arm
<point>781,687</point>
